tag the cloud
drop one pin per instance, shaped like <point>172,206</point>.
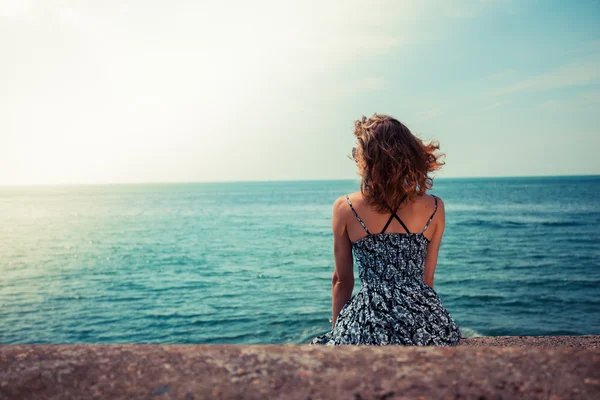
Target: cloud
<point>579,102</point>
<point>429,114</point>
<point>368,84</point>
<point>284,41</point>
<point>493,105</point>
<point>577,73</point>
<point>472,9</point>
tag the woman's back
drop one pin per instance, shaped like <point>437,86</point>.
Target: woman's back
<point>414,213</point>
<point>413,231</point>
<point>394,230</point>
<point>394,304</point>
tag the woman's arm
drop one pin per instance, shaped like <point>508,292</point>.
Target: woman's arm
<point>438,222</point>
<point>343,275</point>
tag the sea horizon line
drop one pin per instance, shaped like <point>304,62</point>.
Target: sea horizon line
<point>257,181</point>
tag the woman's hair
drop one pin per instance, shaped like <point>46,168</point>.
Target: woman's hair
<point>392,161</point>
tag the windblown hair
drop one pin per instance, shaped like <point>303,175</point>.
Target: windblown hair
<point>392,161</point>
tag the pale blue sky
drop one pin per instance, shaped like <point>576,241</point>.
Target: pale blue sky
<point>156,91</point>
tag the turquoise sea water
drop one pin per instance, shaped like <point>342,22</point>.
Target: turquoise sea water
<point>252,262</point>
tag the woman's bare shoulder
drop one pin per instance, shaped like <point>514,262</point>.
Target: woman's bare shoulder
<point>428,201</point>
<point>356,198</point>
<point>439,201</point>
<point>340,205</point>
<point>355,195</point>
<point>339,202</point>
<point>437,206</point>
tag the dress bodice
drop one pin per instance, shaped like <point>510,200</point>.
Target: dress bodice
<point>389,258</point>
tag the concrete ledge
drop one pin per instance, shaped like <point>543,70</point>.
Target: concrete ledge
<point>582,342</point>
<point>470,370</point>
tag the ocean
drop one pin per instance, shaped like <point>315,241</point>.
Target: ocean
<point>251,263</point>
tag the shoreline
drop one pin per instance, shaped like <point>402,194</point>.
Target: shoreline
<point>496,367</point>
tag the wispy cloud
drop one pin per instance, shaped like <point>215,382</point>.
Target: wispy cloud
<point>429,114</point>
<point>368,84</point>
<point>579,102</point>
<point>282,40</point>
<point>472,9</point>
<point>493,105</point>
<point>581,72</point>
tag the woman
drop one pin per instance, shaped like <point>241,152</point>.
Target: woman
<point>395,230</point>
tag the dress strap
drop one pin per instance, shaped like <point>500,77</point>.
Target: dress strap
<point>432,215</point>
<point>395,215</point>
<point>356,215</point>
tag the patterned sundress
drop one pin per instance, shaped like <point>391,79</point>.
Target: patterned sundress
<point>394,306</point>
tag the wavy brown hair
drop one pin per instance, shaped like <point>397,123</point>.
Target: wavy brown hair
<point>392,161</point>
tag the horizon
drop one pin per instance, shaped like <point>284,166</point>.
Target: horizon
<point>357,180</point>
<point>141,92</point>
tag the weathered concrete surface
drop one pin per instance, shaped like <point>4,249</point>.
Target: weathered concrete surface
<point>584,341</point>
<point>298,372</point>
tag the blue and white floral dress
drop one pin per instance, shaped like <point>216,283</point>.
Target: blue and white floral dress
<point>394,305</point>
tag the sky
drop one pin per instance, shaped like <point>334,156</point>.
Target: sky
<point>111,91</point>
